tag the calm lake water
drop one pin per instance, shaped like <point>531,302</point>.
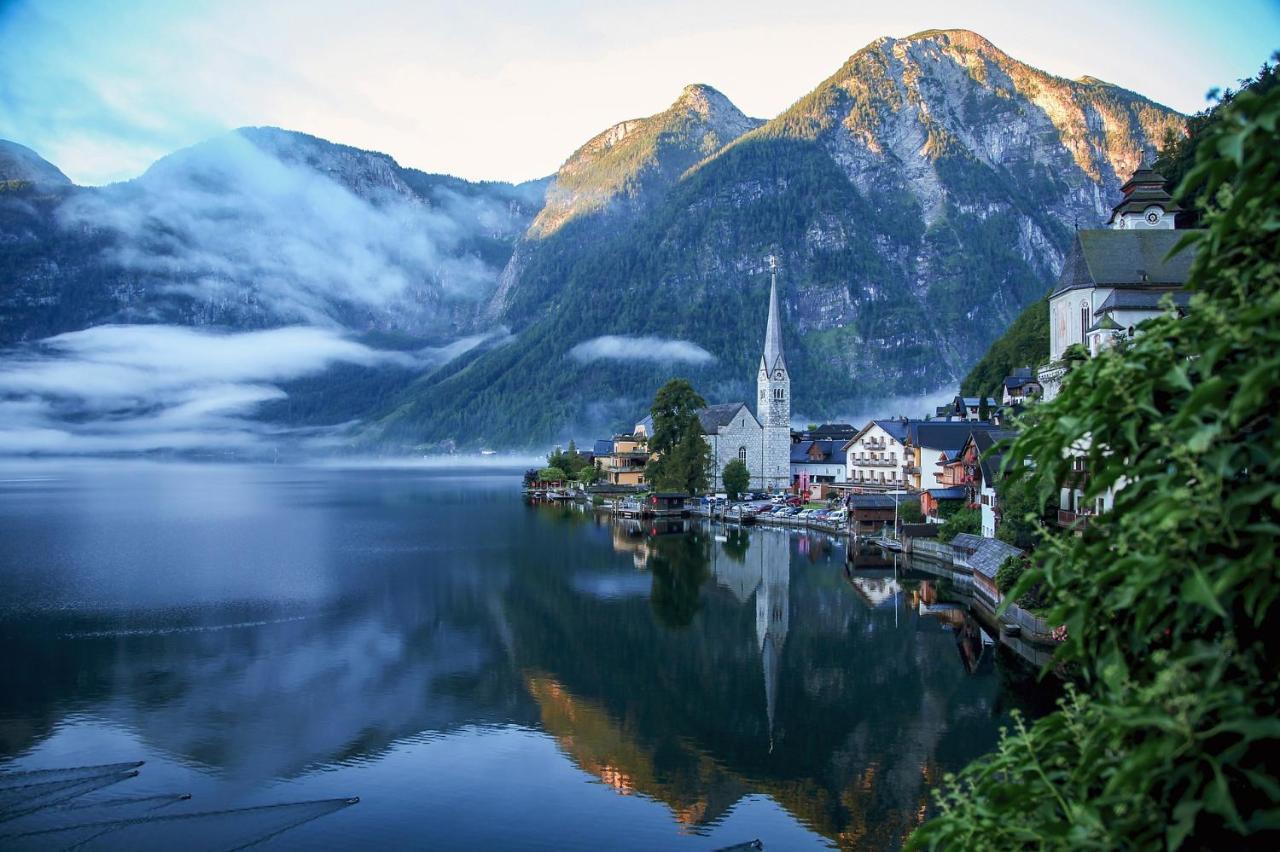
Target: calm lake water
<point>481,673</point>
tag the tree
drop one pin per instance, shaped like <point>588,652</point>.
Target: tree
<point>909,512</point>
<point>683,456</point>
<point>984,410</point>
<point>1170,737</point>
<point>965,519</point>
<point>1022,516</point>
<point>736,478</point>
<point>552,474</point>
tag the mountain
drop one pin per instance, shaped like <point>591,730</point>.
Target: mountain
<point>20,165</point>
<point>260,227</point>
<point>918,199</point>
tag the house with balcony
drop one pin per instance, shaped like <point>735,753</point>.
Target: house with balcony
<point>622,460</point>
<point>976,468</point>
<point>876,458</point>
<point>931,444</point>
<point>1019,386</point>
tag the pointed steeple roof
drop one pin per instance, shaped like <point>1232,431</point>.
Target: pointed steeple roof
<point>772,358</point>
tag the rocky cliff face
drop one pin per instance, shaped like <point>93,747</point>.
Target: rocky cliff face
<point>918,199</point>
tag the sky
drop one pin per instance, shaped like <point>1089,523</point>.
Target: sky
<point>507,91</point>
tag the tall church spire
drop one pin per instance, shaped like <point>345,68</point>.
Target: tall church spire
<point>772,358</point>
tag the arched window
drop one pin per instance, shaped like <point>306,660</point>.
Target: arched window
<point>779,393</point>
<point>1084,320</point>
<point>742,454</point>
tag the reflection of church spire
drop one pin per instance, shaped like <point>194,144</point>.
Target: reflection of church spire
<point>773,616</point>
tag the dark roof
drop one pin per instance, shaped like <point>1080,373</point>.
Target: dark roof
<point>897,428</point>
<point>1107,323</point>
<point>714,416</point>
<point>958,492</point>
<point>987,558</point>
<point>967,542</point>
<point>1131,258</point>
<point>831,431</point>
<point>603,448</point>
<point>948,436</point>
<point>880,501</point>
<point>800,451</point>
<point>1145,188</point>
<point>1019,377</point>
<point>1127,300</point>
<point>989,460</point>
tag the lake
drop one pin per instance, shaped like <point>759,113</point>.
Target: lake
<point>480,673</point>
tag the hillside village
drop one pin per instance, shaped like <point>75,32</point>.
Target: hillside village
<point>945,469</point>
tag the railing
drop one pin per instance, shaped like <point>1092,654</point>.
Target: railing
<point>1073,520</point>
<point>875,463</point>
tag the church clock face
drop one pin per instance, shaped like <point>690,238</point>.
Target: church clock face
<point>777,374</point>
<point>1153,217</point>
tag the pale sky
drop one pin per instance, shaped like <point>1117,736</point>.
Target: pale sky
<point>506,91</point>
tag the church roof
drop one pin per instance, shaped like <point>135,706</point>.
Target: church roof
<point>772,358</point>
<point>1133,258</point>
<point>1107,323</point>
<point>1143,189</point>
<point>713,417</point>
<point>1141,300</point>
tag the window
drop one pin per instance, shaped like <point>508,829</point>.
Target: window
<point>779,393</point>
<point>742,454</point>
<point>1084,320</point>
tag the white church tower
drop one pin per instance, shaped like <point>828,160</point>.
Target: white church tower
<point>773,406</point>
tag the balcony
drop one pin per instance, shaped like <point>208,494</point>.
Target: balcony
<point>1073,520</point>
<point>874,463</point>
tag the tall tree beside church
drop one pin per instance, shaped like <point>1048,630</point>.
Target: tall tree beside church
<point>683,456</point>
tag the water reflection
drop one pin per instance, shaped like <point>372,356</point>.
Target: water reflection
<point>693,666</point>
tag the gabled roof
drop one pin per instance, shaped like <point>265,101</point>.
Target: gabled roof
<point>988,556</point>
<point>713,417</point>
<point>896,428</point>
<point>1145,188</point>
<point>948,437</point>
<point>880,501</point>
<point>1107,323</point>
<point>1141,300</point>
<point>1019,377</point>
<point>1129,258</point>
<point>800,451</point>
<point>602,448</point>
<point>989,460</point>
<point>957,492</point>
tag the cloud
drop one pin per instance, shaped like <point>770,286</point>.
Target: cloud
<point>156,387</point>
<point>262,224</point>
<point>658,349</point>
<point>915,406</point>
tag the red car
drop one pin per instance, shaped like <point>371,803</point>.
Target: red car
<point>794,501</point>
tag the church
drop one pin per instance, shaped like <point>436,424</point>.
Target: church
<point>1117,276</point>
<point>762,440</point>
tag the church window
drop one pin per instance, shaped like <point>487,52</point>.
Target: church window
<point>1084,320</point>
<point>742,454</point>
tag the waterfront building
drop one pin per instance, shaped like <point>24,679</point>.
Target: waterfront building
<point>1116,277</point>
<point>931,444</point>
<point>817,464</point>
<point>877,457</point>
<point>622,461</point>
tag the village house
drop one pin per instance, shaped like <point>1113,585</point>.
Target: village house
<point>976,469</point>
<point>877,457</point>
<point>869,513</point>
<point>816,465</point>
<point>931,444</point>
<point>1019,386</point>
<point>622,460</point>
<point>966,408</point>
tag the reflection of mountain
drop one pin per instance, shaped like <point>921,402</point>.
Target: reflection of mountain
<point>863,718</point>
<point>244,699</point>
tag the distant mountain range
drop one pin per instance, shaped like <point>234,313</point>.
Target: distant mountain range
<point>916,200</point>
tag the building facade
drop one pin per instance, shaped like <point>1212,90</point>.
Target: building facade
<point>877,456</point>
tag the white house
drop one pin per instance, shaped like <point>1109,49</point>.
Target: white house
<point>1114,278</point>
<point>877,456</point>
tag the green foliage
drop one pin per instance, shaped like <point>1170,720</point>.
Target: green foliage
<point>1010,573</point>
<point>683,455</point>
<point>1169,600</point>
<point>552,474</point>
<point>984,409</point>
<point>736,478</point>
<point>574,465</point>
<point>963,519</point>
<point>910,513</point>
<point>1022,516</point>
<point>1024,344</point>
